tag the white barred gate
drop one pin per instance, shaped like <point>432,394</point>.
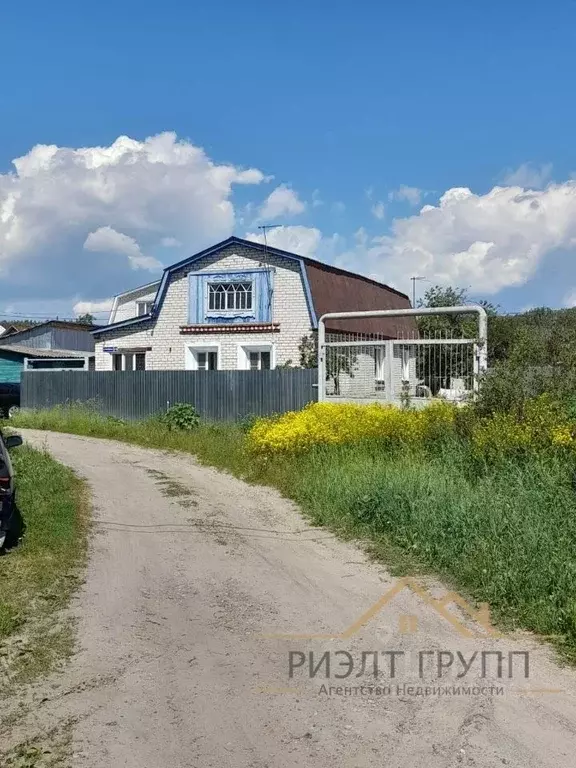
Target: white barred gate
<point>417,369</point>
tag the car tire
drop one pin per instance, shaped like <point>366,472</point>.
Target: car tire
<point>13,535</point>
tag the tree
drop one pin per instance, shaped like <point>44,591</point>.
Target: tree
<point>86,319</point>
<point>438,364</point>
<point>337,362</point>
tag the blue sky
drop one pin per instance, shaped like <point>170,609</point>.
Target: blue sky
<point>352,116</point>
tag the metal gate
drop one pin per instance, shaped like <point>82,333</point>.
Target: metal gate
<point>417,369</point>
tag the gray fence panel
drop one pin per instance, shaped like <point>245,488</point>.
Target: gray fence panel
<point>218,395</point>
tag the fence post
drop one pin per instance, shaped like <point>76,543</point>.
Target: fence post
<point>321,361</point>
<point>388,371</point>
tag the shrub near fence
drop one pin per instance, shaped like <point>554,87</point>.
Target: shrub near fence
<point>217,395</point>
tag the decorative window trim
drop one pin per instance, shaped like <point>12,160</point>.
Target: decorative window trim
<point>212,328</point>
<point>190,350</point>
<point>198,301</point>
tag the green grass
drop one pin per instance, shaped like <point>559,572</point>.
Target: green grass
<point>504,534</point>
<point>220,445</point>
<point>38,576</point>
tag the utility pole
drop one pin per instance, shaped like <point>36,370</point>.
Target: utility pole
<point>414,278</point>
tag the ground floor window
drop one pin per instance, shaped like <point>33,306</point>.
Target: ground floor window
<point>203,357</point>
<point>129,361</point>
<point>255,357</point>
<point>380,368</point>
<point>207,361</point>
<point>259,361</point>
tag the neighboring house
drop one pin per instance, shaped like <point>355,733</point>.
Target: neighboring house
<point>135,303</point>
<point>54,344</point>
<point>14,357</point>
<point>239,305</point>
<point>10,326</point>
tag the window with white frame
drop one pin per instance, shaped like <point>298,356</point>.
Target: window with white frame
<point>129,361</point>
<point>207,361</point>
<point>202,357</point>
<point>256,357</point>
<point>144,307</point>
<point>259,360</point>
<point>406,364</point>
<point>232,296</point>
<point>380,368</point>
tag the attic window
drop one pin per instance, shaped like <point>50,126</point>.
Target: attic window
<point>144,307</point>
<point>229,296</point>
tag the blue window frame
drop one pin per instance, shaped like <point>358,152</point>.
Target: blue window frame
<point>231,297</point>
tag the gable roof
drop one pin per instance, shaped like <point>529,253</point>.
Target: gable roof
<point>138,289</point>
<point>13,326</point>
<point>328,289</point>
<point>63,324</point>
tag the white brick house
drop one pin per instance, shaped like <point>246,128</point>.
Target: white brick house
<point>237,305</point>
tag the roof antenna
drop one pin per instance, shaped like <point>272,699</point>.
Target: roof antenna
<point>265,228</point>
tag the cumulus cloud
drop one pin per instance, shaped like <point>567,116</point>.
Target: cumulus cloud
<point>528,176</point>
<point>55,198</point>
<point>378,210</point>
<point>92,307</point>
<point>303,241</point>
<point>411,195</point>
<point>282,201</point>
<point>488,242</point>
<point>170,242</point>
<point>107,240</point>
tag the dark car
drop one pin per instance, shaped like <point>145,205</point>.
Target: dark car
<point>9,398</point>
<point>8,510</point>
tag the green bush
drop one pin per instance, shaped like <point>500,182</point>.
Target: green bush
<point>182,416</point>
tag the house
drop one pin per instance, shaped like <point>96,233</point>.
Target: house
<point>239,305</point>
<point>53,344</point>
<point>11,326</point>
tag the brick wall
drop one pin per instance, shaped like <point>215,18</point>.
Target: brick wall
<point>289,308</point>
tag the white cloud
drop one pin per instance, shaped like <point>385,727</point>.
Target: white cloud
<point>488,242</point>
<point>170,242</point>
<point>528,176</point>
<point>92,307</point>
<point>411,195</point>
<point>379,210</point>
<point>316,199</point>
<point>283,201</point>
<point>303,241</point>
<point>107,240</point>
<point>149,190</point>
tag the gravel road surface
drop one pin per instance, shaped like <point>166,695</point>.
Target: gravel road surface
<point>194,577</point>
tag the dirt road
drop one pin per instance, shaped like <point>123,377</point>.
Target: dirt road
<point>190,569</point>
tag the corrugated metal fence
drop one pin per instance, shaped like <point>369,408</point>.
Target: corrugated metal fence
<point>218,395</point>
